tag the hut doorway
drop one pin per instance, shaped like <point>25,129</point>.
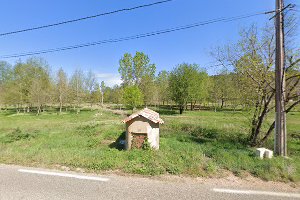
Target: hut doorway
<point>138,140</point>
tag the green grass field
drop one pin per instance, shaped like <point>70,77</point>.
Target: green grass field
<point>199,143</point>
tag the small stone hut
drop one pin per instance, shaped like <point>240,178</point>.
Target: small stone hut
<point>141,126</point>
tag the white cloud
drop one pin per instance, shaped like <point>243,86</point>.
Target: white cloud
<point>110,79</point>
<point>105,75</point>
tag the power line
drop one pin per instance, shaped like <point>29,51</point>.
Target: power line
<point>82,18</point>
<point>143,35</point>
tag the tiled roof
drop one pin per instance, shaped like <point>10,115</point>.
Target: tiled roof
<point>147,113</point>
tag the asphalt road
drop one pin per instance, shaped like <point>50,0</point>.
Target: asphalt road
<point>18,182</point>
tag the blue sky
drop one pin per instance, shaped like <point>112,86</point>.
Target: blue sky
<point>166,51</point>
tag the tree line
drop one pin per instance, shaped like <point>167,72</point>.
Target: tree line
<point>31,86</point>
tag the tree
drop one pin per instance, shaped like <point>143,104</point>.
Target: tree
<point>142,67</point>
<point>62,88</point>
<point>138,71</point>
<point>224,88</point>
<point>184,84</point>
<point>5,78</point>
<point>133,69</point>
<point>198,87</point>
<point>132,97</point>
<point>126,69</point>
<point>29,85</point>
<point>19,88</point>
<point>102,87</point>
<point>90,84</point>
<point>147,87</point>
<point>253,61</point>
<point>40,83</point>
<point>5,72</point>
<point>77,88</point>
<point>162,86</point>
<point>96,94</point>
<point>117,95</point>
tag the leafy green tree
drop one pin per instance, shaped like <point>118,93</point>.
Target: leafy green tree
<point>162,86</point>
<point>108,95</point>
<point>5,78</point>
<point>137,70</point>
<point>225,88</point>
<point>142,68</point>
<point>96,94</point>
<point>133,68</point>
<point>180,83</point>
<point>20,86</point>
<point>188,84</point>
<point>30,85</point>
<point>147,87</point>
<point>40,83</point>
<point>198,86</point>
<point>132,97</point>
<point>117,95</point>
<point>126,69</point>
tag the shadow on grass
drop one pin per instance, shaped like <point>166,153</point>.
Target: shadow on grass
<point>119,143</point>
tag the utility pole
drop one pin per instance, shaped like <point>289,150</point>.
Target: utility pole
<point>280,146</point>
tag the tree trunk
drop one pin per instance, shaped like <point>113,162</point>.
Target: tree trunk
<point>267,134</point>
<point>60,104</point>
<point>102,99</point>
<point>60,109</point>
<point>38,110</point>
<point>222,104</point>
<point>181,108</point>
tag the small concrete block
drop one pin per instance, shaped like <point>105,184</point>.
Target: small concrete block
<point>260,152</point>
<point>268,154</point>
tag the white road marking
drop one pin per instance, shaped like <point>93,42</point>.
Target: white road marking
<point>63,175</point>
<point>252,192</point>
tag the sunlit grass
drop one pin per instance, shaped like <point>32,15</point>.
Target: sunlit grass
<point>199,143</point>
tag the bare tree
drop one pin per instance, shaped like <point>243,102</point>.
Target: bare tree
<point>77,89</point>
<point>253,61</point>
<point>62,88</point>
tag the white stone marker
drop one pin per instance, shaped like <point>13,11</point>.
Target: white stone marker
<point>268,154</point>
<point>260,152</point>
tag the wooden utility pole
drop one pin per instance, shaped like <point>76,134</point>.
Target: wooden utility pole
<point>280,146</point>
